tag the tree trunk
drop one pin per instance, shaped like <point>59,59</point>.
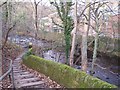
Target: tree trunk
<point>84,41</point>
<point>67,48</point>
<point>97,27</point>
<point>74,37</point>
<point>94,52</point>
<point>67,23</point>
<point>1,41</point>
<point>4,25</point>
<point>84,53</point>
<point>4,19</point>
<point>73,48</point>
<point>36,20</point>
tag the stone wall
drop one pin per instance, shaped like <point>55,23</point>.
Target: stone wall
<point>63,74</point>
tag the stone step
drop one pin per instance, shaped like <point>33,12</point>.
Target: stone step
<point>27,80</point>
<point>29,84</point>
<point>16,63</point>
<point>21,73</point>
<point>16,67</point>
<point>23,76</point>
<point>41,87</point>
<point>18,71</point>
<point>17,59</point>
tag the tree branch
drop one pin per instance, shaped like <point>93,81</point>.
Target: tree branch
<point>6,37</point>
<point>3,3</point>
<point>39,2</point>
<point>58,9</point>
<point>90,25</point>
<point>88,5</point>
<point>85,17</point>
<point>110,8</point>
<point>56,23</point>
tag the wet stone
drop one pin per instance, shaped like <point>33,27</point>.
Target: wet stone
<point>78,67</point>
<point>92,72</point>
<point>89,60</point>
<point>52,57</point>
<point>107,77</point>
<point>98,77</point>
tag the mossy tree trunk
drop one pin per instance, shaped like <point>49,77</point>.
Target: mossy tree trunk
<point>63,9</point>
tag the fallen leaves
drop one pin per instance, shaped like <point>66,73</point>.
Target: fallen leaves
<point>48,82</point>
<point>10,51</point>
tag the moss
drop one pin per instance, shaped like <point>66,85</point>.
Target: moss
<point>63,74</point>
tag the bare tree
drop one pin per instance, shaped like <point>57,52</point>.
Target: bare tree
<point>36,3</point>
<point>73,35</point>
<point>84,38</point>
<point>8,22</point>
<point>98,14</point>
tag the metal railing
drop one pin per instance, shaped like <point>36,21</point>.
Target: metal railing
<point>9,73</point>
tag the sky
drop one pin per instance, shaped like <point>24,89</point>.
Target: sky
<point>56,0</point>
<point>64,0</point>
<point>46,2</point>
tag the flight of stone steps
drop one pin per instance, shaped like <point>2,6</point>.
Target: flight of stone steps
<point>23,78</point>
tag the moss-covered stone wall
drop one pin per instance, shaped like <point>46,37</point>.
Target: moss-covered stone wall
<point>63,74</point>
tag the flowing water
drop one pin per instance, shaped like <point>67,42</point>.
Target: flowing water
<point>103,70</point>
